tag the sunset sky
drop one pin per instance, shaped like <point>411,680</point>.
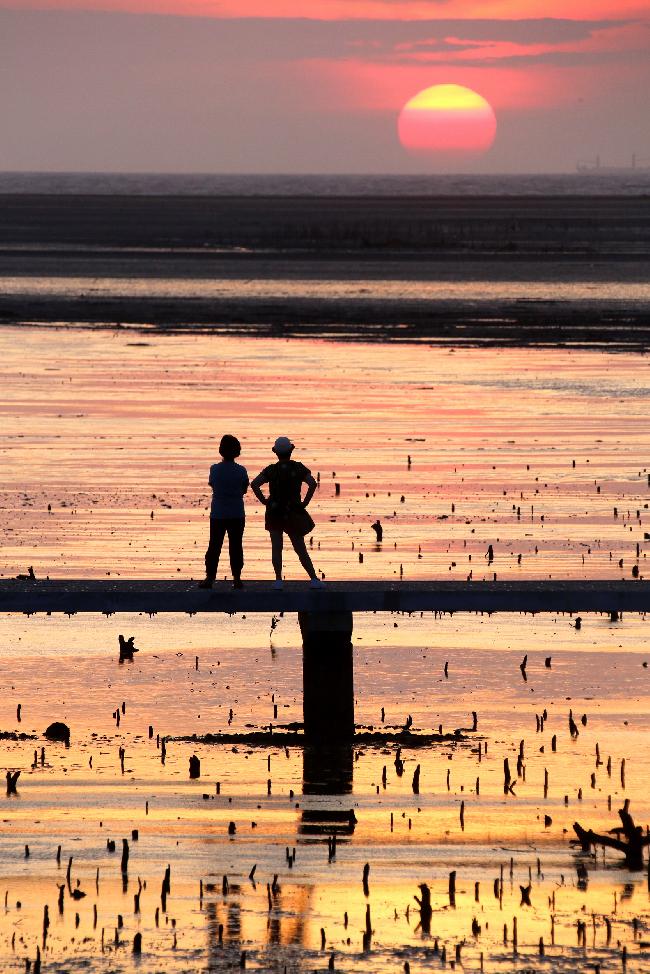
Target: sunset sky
<point>288,86</point>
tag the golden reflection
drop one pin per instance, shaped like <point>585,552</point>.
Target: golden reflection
<point>505,448</point>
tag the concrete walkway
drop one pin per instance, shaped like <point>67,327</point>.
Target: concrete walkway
<point>113,595</point>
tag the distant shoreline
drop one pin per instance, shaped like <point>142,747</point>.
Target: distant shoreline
<point>604,240</point>
<point>426,225</point>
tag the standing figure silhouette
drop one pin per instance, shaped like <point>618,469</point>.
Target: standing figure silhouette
<point>229,482</point>
<point>286,509</point>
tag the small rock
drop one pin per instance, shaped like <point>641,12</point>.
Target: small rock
<point>58,731</point>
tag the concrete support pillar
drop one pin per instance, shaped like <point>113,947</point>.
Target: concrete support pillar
<point>327,675</point>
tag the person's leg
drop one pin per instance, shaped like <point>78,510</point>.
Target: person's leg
<point>276,553</point>
<point>300,549</point>
<point>235,527</point>
<point>217,534</point>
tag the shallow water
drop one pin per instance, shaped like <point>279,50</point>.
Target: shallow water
<point>370,289</point>
<point>117,434</point>
<point>74,675</point>
<point>95,424</point>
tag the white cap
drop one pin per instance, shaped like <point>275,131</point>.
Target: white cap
<point>282,445</point>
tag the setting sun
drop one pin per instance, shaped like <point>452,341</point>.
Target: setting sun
<point>447,120</point>
<point>324,528</point>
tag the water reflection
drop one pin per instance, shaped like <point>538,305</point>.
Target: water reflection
<point>232,923</point>
<point>327,771</point>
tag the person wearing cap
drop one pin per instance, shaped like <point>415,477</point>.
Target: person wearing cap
<point>286,509</point>
<point>229,482</point>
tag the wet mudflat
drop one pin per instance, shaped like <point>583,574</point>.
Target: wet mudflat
<point>108,431</point>
<point>115,778</point>
<point>548,268</point>
<point>107,439</point>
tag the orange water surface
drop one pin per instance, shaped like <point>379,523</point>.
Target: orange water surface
<point>540,453</point>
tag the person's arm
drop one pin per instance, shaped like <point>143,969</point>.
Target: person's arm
<point>213,470</point>
<point>256,484</point>
<point>311,487</point>
<point>245,482</point>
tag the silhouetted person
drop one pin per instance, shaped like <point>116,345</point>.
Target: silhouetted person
<point>286,508</point>
<point>229,482</point>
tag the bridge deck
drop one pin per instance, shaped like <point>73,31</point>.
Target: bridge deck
<point>151,596</point>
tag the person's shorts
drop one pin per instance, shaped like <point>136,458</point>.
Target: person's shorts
<point>297,523</point>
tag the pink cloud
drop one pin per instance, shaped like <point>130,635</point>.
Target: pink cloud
<point>612,39</point>
<point>357,9</point>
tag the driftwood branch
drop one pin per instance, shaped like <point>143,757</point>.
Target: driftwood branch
<point>629,839</point>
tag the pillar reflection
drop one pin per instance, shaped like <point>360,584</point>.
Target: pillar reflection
<point>327,771</point>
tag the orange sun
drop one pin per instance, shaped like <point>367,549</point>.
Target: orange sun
<point>447,121</point>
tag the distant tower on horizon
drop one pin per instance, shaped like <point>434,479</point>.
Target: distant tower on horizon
<point>594,165</point>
